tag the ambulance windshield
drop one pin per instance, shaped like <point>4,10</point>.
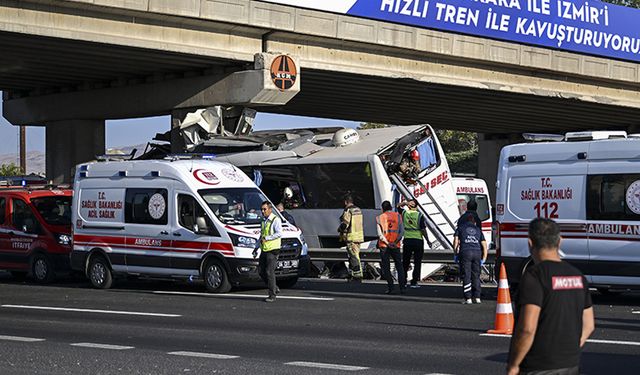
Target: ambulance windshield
<point>235,205</point>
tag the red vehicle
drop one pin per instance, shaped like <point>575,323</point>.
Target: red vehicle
<point>35,232</point>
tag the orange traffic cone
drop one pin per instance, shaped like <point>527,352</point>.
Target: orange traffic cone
<point>504,311</point>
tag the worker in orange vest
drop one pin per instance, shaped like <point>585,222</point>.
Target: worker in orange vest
<point>390,233</point>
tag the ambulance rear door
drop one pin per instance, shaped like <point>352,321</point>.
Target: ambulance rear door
<point>547,180</point>
<point>613,212</point>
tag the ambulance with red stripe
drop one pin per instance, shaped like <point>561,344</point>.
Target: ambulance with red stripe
<point>589,183</point>
<point>176,218</point>
<point>472,188</point>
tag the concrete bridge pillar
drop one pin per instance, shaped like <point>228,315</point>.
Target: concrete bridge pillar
<point>69,143</point>
<point>489,147</point>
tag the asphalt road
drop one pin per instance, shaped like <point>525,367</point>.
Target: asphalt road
<point>319,327</point>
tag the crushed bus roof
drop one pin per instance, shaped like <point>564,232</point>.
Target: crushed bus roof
<point>372,142</point>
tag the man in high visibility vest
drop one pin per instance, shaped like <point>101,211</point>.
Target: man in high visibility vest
<point>352,232</point>
<point>269,244</point>
<point>415,229</point>
<point>390,232</point>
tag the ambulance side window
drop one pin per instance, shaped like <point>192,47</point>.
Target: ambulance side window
<point>608,197</point>
<point>192,216</point>
<point>146,206</point>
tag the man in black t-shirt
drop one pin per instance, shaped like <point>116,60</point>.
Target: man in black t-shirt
<point>554,314</point>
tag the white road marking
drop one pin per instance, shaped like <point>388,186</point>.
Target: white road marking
<point>494,335</point>
<point>327,366</point>
<point>91,310</point>
<point>614,342</point>
<point>235,295</point>
<point>635,312</point>
<point>101,346</point>
<point>18,338</point>
<point>204,355</point>
<point>593,341</point>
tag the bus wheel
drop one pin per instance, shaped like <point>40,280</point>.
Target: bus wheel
<point>99,273</point>
<point>287,283</point>
<point>42,269</point>
<point>215,277</point>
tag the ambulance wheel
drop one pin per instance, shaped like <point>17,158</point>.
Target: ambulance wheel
<point>287,283</point>
<point>99,273</point>
<point>215,277</point>
<point>42,269</point>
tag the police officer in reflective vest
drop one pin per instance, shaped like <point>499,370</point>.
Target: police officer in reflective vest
<point>352,232</point>
<point>269,243</point>
<point>415,229</point>
<point>390,232</point>
<point>469,243</point>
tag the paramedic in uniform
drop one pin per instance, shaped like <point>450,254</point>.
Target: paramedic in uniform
<point>269,244</point>
<point>390,232</point>
<point>554,313</point>
<point>472,209</point>
<point>352,232</point>
<point>470,247</point>
<point>415,228</point>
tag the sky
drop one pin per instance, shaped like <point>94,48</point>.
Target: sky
<point>131,132</point>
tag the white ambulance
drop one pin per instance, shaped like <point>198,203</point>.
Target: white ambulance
<point>472,188</point>
<point>589,182</point>
<point>173,218</point>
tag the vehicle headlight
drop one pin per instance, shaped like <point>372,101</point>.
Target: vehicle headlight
<point>63,239</point>
<point>305,247</point>
<point>243,241</point>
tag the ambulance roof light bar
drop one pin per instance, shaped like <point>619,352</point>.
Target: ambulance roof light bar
<point>537,137</point>
<point>174,157</point>
<point>595,135</point>
<point>114,157</point>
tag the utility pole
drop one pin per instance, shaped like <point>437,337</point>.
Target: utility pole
<point>23,151</point>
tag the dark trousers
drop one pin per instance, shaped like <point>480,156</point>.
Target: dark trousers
<point>267,269</point>
<point>413,248</point>
<point>386,254</point>
<point>470,269</point>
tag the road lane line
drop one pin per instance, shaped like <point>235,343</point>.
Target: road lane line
<point>234,295</point>
<point>18,338</point>
<point>327,366</point>
<point>204,355</point>
<point>91,310</point>
<point>614,342</point>
<point>494,335</point>
<point>101,346</point>
<point>635,312</point>
<point>593,341</point>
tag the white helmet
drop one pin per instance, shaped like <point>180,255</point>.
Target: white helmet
<point>288,193</point>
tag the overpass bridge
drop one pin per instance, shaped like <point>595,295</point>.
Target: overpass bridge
<point>71,64</point>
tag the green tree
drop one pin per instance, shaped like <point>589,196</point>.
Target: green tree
<point>626,3</point>
<point>10,170</point>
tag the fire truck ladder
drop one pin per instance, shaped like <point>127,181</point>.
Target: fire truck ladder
<point>438,223</point>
